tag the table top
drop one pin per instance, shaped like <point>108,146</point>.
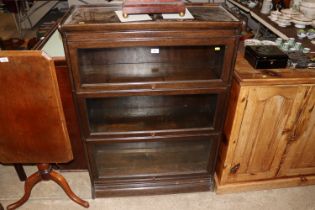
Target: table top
<point>100,17</point>
<point>32,123</point>
<point>246,75</point>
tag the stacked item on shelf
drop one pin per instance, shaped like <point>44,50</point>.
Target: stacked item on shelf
<point>285,17</point>
<point>257,53</point>
<point>307,7</point>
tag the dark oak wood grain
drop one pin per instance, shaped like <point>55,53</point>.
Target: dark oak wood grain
<point>142,113</point>
<point>151,96</point>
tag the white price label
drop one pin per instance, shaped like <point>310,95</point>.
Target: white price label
<point>4,59</point>
<point>155,50</point>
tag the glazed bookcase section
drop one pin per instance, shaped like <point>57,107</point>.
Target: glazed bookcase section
<point>151,113</point>
<point>150,64</point>
<point>153,157</point>
<point>151,96</point>
<point>171,54</point>
<point>98,15</point>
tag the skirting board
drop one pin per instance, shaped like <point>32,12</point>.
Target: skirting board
<point>263,184</point>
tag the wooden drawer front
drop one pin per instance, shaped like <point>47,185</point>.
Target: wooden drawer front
<point>164,64</point>
<point>153,157</point>
<point>151,113</point>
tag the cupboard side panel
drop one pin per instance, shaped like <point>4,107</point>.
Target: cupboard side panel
<point>236,107</point>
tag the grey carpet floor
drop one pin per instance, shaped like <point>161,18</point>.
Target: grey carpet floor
<point>48,195</point>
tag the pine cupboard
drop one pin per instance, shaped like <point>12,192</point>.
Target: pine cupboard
<point>269,131</point>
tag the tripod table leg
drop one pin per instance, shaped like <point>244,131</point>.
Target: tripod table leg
<point>30,182</point>
<point>60,180</point>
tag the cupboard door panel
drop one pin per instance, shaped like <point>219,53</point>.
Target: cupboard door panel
<point>260,139</point>
<point>300,154</point>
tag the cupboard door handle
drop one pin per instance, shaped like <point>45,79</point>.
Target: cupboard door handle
<point>235,168</point>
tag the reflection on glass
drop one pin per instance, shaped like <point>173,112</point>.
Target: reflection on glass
<point>148,64</point>
<point>145,113</point>
<point>152,158</point>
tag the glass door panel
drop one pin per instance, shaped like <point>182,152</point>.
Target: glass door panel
<point>150,64</point>
<point>151,113</point>
<point>158,158</point>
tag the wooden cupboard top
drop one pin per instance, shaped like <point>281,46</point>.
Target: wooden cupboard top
<point>97,18</point>
<point>245,74</point>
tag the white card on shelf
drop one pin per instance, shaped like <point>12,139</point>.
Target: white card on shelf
<point>172,16</point>
<point>4,59</point>
<point>132,18</point>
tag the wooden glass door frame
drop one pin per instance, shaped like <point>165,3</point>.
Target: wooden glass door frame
<point>213,139</point>
<point>225,78</point>
<point>217,123</point>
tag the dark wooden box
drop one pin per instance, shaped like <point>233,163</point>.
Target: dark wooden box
<point>266,57</point>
